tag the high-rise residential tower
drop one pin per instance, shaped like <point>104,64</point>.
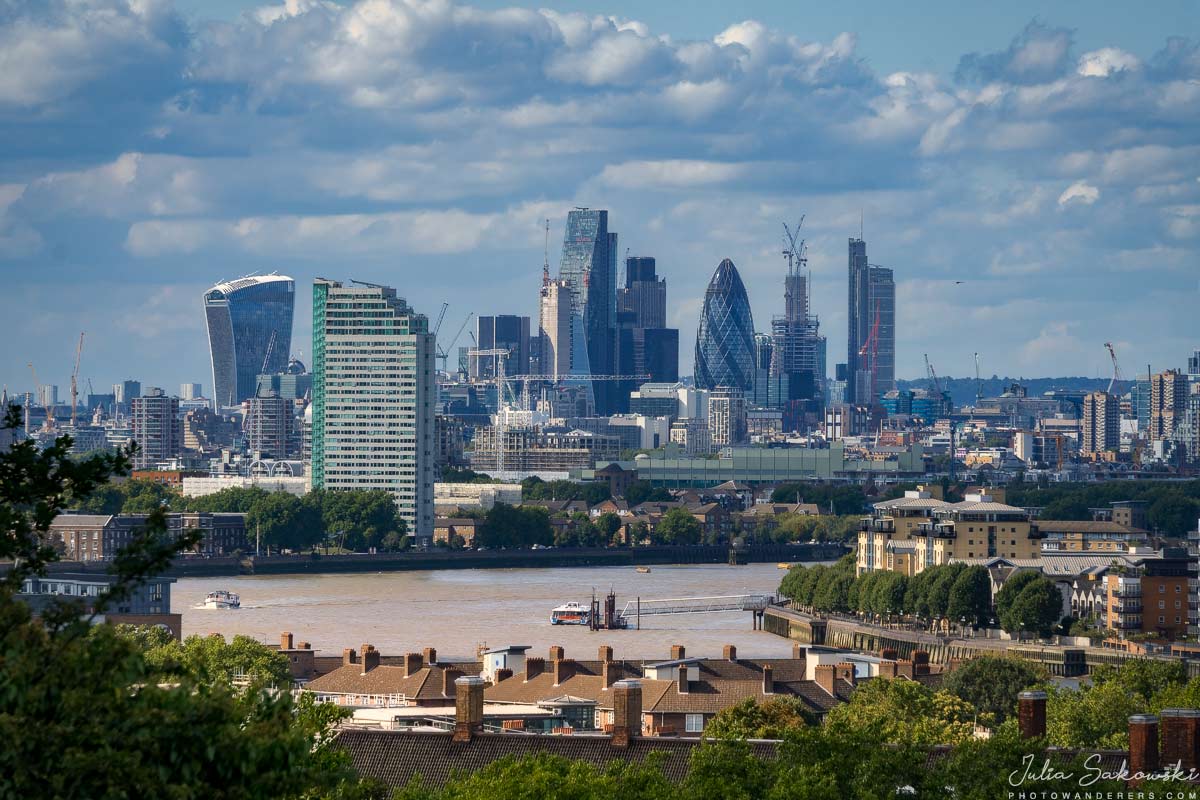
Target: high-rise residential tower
<point>871,329</point>
<point>589,266</point>
<point>156,427</point>
<point>1168,400</point>
<point>249,333</point>
<point>725,338</point>
<point>373,394</point>
<point>1101,423</point>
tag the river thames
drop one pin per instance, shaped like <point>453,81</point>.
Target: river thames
<point>455,611</point>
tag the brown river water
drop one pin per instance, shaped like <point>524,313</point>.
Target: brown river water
<point>455,611</point>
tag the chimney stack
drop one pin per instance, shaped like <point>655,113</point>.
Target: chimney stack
<point>305,646</point>
<point>412,664</point>
<point>799,653</point>
<point>730,653</point>
<point>534,667</point>
<point>564,670</point>
<point>1031,714</point>
<point>627,712</point>
<point>677,652</point>
<point>449,676</point>
<point>605,654</point>
<point>609,672</point>
<point>370,659</point>
<point>768,679</point>
<point>285,641</point>
<point>1143,746</point>
<point>503,674</point>
<point>825,678</point>
<point>681,679</point>
<point>348,657</point>
<point>430,655</point>
<point>845,671</point>
<point>1179,742</point>
<point>557,653</point>
<point>468,707</point>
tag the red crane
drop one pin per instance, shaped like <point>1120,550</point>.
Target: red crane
<point>870,350</point>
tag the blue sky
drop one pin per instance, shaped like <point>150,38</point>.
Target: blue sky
<point>1046,154</point>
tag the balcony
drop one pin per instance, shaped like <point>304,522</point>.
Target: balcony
<point>877,526</point>
<point>1134,607</point>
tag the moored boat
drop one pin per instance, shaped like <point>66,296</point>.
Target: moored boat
<point>643,570</point>
<point>222,599</point>
<point>570,614</point>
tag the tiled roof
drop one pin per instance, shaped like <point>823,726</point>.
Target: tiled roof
<point>424,684</point>
<point>542,687</point>
<point>395,757</point>
<point>912,502</point>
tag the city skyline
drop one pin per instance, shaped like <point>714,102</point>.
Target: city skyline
<point>1007,170</point>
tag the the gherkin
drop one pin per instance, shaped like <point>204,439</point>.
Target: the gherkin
<point>725,339</point>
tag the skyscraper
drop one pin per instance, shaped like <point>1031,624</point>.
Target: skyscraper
<point>645,346</point>
<point>727,416</point>
<point>871,329</point>
<point>249,333</point>
<point>1168,400</point>
<point>725,338</point>
<point>589,265</point>
<point>270,425</point>
<point>156,427</point>
<point>555,328</point>
<point>797,358</point>
<point>373,395</point>
<point>501,332</point>
<point>1101,423</point>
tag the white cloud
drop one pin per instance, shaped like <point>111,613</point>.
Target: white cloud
<point>1080,192</point>
<point>1105,61</point>
<point>669,174</point>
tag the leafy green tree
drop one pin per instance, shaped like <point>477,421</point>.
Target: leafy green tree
<point>970,596</point>
<point>1038,607</point>
<point>644,492</point>
<point>991,683</point>
<point>904,711</point>
<point>833,591</point>
<point>1012,587</point>
<point>608,524</point>
<point>514,526</point>
<point>846,500</point>
<point>234,500</point>
<point>284,520</point>
<point>678,526</point>
<point>82,714</point>
<point>751,719</point>
<point>545,775</point>
<point>1174,513</point>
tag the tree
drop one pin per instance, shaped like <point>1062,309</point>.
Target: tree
<point>970,596</point>
<point>546,775</point>
<point>1174,513</point>
<point>1011,588</point>
<point>678,526</point>
<point>1038,607</point>
<point>285,521</point>
<point>751,719</point>
<point>514,526</point>
<point>644,492</point>
<point>904,711</point>
<point>992,683</point>
<point>608,524</point>
<point>96,722</point>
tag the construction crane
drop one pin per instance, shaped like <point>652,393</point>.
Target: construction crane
<point>793,252</point>
<point>441,316</point>
<point>270,349</point>
<point>75,382</point>
<point>870,351</point>
<point>934,384</point>
<point>444,353</point>
<point>1116,376</point>
<point>978,382</point>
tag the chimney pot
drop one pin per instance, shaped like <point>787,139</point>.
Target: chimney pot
<point>1143,746</point>
<point>430,655</point>
<point>845,671</point>
<point>920,657</point>
<point>799,652</point>
<point>609,670</point>
<point>825,675</point>
<point>468,707</point>
<point>627,712</point>
<point>348,657</point>
<point>285,641</point>
<point>678,651</point>
<point>888,654</point>
<point>412,664</point>
<point>370,660</point>
<point>503,674</point>
<point>1031,714</point>
<point>534,667</point>
<point>730,653</point>
<point>305,646</point>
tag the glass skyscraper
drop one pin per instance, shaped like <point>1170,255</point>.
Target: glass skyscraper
<point>725,339</point>
<point>249,333</point>
<point>589,266</point>
<point>871,307</point>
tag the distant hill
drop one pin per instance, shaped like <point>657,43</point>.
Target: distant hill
<point>962,390</point>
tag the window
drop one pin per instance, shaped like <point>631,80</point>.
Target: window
<point>694,723</point>
<point>1162,587</point>
<point>1177,588</point>
<point>1162,604</point>
<point>1177,604</point>
<point>1160,619</point>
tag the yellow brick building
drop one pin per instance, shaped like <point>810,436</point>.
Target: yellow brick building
<point>978,527</point>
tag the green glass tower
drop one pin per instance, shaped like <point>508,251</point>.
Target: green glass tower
<point>372,398</point>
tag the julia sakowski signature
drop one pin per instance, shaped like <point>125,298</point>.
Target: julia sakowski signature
<point>1092,772</point>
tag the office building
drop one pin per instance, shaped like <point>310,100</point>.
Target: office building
<point>373,394</point>
<point>589,266</point>
<point>797,355</point>
<point>47,395</point>
<point>294,384</point>
<point>501,332</point>
<point>1193,366</point>
<point>271,427</point>
<point>727,416</point>
<point>871,328</point>
<point>1101,424</point>
<point>555,328</point>
<point>1168,400</point>
<point>190,391</point>
<point>156,428</point>
<point>644,294</point>
<point>645,345</point>
<point>725,338</point>
<point>249,333</point>
<point>125,392</point>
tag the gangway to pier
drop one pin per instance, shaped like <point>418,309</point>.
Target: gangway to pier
<point>635,609</point>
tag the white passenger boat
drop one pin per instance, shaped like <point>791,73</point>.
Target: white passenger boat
<point>570,614</point>
<point>222,599</point>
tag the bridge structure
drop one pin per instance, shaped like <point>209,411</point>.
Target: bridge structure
<point>636,609</point>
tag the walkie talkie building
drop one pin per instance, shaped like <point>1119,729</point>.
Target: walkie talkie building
<point>249,333</point>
